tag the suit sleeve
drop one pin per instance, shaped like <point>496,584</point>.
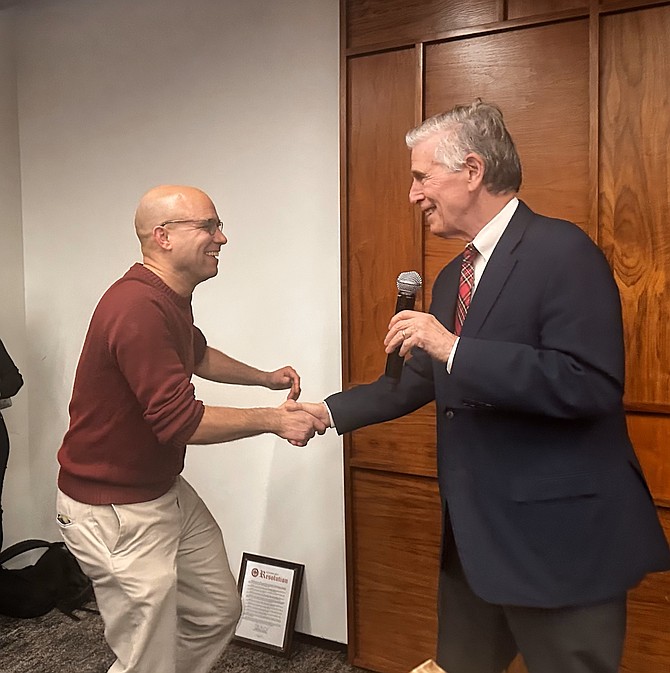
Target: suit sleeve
<point>574,365</point>
<point>384,399</point>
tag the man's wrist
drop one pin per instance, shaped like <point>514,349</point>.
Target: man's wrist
<point>331,423</point>
<point>450,360</point>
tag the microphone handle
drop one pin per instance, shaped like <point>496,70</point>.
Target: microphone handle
<point>394,361</point>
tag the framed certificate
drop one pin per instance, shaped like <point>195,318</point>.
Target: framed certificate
<point>270,591</point>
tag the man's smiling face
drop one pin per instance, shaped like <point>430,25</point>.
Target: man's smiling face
<point>442,195</point>
<point>195,249</point>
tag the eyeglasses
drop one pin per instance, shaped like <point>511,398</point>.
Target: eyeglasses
<point>210,226</point>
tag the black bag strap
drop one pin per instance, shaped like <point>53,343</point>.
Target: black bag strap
<point>23,547</point>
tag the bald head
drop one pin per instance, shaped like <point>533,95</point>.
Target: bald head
<point>168,202</point>
<point>181,235</point>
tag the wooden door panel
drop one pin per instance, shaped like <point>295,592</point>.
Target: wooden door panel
<point>635,193</point>
<point>382,237</point>
<point>577,116</point>
<point>379,21</point>
<point>396,542</point>
<point>540,78</point>
<point>647,646</point>
<point>404,445</point>
<point>518,9</point>
<point>650,434</point>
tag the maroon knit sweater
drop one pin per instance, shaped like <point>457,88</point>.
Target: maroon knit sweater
<point>133,405</point>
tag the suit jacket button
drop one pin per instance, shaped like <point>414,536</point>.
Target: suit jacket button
<point>450,414</point>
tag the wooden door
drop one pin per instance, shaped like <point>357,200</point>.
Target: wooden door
<point>584,86</point>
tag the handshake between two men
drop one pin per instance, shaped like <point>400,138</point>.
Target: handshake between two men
<point>295,422</point>
<point>406,330</point>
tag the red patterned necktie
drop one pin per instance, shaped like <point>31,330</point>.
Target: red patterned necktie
<point>465,286</point>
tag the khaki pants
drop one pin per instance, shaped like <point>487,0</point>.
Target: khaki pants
<point>161,579</point>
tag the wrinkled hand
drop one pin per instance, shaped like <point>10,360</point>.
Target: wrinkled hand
<point>410,329</point>
<point>317,409</point>
<point>284,378</point>
<point>296,425</point>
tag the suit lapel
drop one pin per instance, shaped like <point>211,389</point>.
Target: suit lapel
<point>497,271</point>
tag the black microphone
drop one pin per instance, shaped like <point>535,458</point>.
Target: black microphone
<point>408,283</point>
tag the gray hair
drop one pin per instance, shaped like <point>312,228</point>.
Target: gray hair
<point>479,128</point>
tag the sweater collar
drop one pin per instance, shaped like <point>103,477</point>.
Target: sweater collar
<point>141,272</point>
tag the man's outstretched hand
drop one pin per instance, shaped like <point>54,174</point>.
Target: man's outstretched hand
<point>318,410</point>
<point>298,425</point>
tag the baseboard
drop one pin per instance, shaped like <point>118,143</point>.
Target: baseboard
<point>320,642</point>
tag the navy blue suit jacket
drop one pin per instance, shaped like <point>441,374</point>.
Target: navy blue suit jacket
<point>545,495</point>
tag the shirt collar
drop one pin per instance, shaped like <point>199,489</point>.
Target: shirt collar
<point>487,239</point>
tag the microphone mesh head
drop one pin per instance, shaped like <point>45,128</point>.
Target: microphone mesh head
<point>409,282</point>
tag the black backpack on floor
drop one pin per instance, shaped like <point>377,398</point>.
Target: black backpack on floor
<point>54,581</point>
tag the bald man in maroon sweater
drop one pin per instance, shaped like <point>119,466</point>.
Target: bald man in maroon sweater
<point>152,549</point>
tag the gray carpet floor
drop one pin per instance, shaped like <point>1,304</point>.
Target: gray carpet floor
<point>55,643</point>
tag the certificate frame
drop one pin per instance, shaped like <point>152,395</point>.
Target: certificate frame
<point>270,591</point>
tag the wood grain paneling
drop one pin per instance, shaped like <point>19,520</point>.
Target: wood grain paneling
<point>403,445</point>
<point>650,434</point>
<point>586,100</point>
<point>635,191</point>
<point>647,648</point>
<point>544,99</point>
<point>517,9</point>
<point>383,239</point>
<point>397,540</point>
<point>372,22</point>
<point>619,5</point>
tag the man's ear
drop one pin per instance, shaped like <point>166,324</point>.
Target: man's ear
<point>161,237</point>
<point>474,165</point>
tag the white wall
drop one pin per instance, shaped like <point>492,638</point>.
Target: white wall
<point>240,98</point>
<point>17,502</point>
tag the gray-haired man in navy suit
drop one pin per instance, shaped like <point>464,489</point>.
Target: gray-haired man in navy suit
<point>548,520</point>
